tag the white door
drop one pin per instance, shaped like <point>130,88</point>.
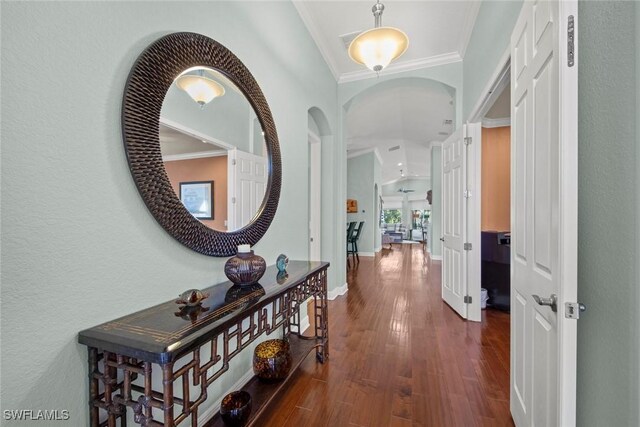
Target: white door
<point>543,215</point>
<point>247,176</point>
<point>454,266</point>
<point>315,194</point>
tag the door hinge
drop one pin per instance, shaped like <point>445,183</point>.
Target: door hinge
<point>467,246</point>
<point>468,299</point>
<point>468,140</point>
<point>572,310</point>
<point>467,194</point>
<point>233,162</point>
<point>570,41</point>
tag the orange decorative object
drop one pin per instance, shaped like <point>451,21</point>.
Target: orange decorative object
<point>352,206</point>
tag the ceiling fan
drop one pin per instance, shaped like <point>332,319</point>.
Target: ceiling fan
<point>405,190</point>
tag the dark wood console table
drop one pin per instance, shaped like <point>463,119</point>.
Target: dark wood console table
<point>192,347</point>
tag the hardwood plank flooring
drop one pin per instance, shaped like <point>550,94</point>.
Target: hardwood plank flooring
<point>399,356</point>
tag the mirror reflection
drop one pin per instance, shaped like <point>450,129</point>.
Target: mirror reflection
<point>213,149</point>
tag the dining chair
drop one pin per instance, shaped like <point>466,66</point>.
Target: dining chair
<point>350,227</point>
<point>353,241</point>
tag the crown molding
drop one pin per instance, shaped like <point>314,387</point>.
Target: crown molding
<point>307,20</point>
<point>195,155</point>
<point>195,134</point>
<point>467,27</point>
<point>496,123</point>
<point>402,66</point>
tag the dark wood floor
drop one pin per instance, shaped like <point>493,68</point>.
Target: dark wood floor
<point>400,356</point>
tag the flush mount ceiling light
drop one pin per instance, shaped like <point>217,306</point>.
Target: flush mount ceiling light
<point>377,47</point>
<point>200,88</point>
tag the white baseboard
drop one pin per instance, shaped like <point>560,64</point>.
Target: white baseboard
<point>369,254</point>
<point>378,249</point>
<point>436,257</point>
<point>304,323</point>
<point>341,290</point>
<point>211,410</point>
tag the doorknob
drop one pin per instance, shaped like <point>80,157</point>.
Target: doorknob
<point>442,239</point>
<point>552,301</point>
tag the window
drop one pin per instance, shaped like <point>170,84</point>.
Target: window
<point>420,218</point>
<point>392,216</point>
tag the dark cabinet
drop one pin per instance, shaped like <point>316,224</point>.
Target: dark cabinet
<point>496,268</point>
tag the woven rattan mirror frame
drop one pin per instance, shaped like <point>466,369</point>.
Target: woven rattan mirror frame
<point>150,78</point>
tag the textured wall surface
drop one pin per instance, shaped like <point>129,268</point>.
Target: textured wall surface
<point>636,389</point>
<point>361,187</point>
<point>608,354</point>
<point>489,41</point>
<point>78,244</point>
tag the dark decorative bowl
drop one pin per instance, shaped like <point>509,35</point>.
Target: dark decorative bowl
<point>236,408</point>
<point>245,268</point>
<point>272,360</point>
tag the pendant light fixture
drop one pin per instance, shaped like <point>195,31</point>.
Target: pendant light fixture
<point>377,47</point>
<point>200,88</point>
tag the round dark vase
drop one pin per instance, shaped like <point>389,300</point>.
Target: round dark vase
<point>272,360</point>
<point>236,408</point>
<point>245,268</point>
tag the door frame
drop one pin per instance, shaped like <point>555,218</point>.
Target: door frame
<point>568,218</point>
<point>568,224</point>
<point>500,77</point>
<point>314,139</point>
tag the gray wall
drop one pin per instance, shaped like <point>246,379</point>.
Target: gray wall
<point>79,246</point>
<point>636,389</point>
<point>361,180</point>
<point>434,244</point>
<point>489,40</point>
<point>608,355</point>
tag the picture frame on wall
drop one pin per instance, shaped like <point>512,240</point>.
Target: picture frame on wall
<point>197,197</point>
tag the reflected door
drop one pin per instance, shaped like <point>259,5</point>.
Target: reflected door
<point>247,187</point>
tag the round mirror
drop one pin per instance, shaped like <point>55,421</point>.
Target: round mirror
<point>213,149</point>
<point>201,144</point>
